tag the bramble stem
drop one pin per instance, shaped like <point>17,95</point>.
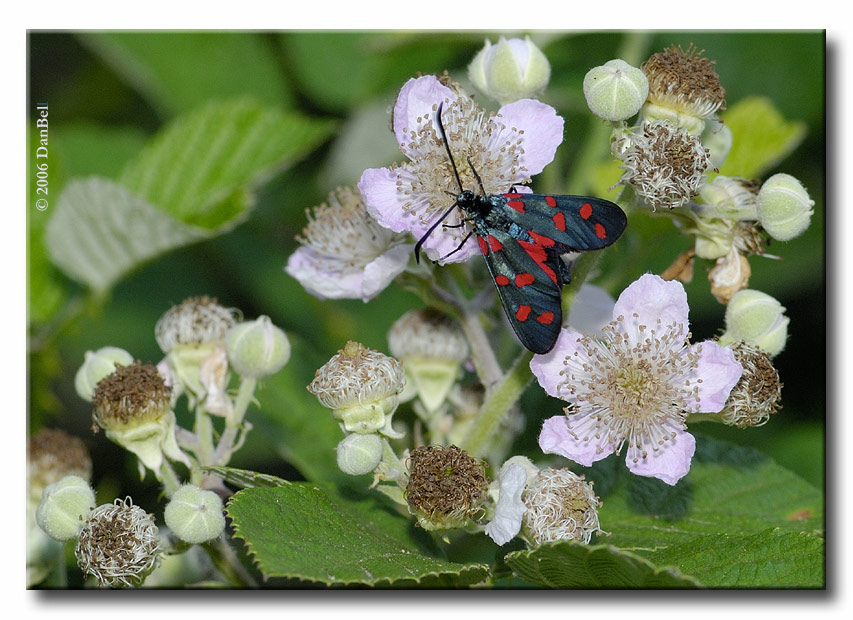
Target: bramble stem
<point>497,403</point>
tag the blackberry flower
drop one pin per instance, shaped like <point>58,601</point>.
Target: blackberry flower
<point>505,150</point>
<point>634,384</point>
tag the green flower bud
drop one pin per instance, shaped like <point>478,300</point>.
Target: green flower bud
<point>757,319</point>
<point>784,207</point>
<point>359,454</point>
<point>257,349</point>
<point>615,91</point>
<point>195,515</point>
<point>96,366</point>
<point>64,507</point>
<point>510,70</point>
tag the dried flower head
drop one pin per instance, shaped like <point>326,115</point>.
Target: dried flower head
<point>756,396</point>
<point>426,333</point>
<point>361,386</point>
<point>665,165</point>
<point>560,506</point>
<point>446,486</point>
<point>119,544</point>
<point>195,321</point>
<point>130,396</point>
<point>53,454</point>
<point>685,81</point>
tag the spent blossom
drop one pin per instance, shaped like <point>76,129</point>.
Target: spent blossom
<point>505,149</point>
<point>344,252</point>
<point>634,384</point>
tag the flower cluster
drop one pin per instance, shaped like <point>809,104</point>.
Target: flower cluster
<point>203,343</point>
<point>671,158</point>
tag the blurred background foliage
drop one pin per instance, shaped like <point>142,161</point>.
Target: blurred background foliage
<point>109,92</point>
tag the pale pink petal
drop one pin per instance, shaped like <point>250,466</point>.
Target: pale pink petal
<point>580,445</point>
<point>669,463</point>
<point>718,371</point>
<point>414,105</point>
<point>548,368</point>
<point>509,510</point>
<point>652,298</point>
<point>302,265</point>
<point>378,187</point>
<point>543,132</point>
<point>379,273</point>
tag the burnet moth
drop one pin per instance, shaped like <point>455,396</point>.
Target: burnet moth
<point>522,237</point>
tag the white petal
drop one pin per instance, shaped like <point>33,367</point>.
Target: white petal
<point>510,509</point>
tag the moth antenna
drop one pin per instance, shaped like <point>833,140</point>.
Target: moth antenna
<point>447,146</point>
<point>477,176</point>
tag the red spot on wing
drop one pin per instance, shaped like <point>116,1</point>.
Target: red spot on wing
<point>538,254</point>
<point>586,211</point>
<point>545,242</point>
<point>550,201</point>
<point>516,204</point>
<point>495,244</point>
<point>546,318</point>
<point>523,279</point>
<point>501,280</point>
<point>522,313</point>
<point>514,195</point>
<point>560,221</point>
<point>600,231</point>
<point>484,248</point>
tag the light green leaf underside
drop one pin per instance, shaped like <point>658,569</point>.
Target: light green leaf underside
<point>100,231</point>
<point>301,531</point>
<point>761,137</point>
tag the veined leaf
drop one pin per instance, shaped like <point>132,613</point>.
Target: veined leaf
<point>301,531</point>
<point>196,162</point>
<point>574,565</point>
<point>100,231</point>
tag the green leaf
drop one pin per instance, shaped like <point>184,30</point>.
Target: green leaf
<point>303,531</point>
<point>761,137</point>
<point>89,149</point>
<point>177,71</point>
<point>100,231</point>
<point>574,565</point>
<point>771,559</point>
<point>196,163</point>
<point>733,501</point>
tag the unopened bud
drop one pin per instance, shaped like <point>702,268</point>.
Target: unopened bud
<point>359,454</point>
<point>615,91</point>
<point>97,365</point>
<point>195,515</point>
<point>784,207</point>
<point>757,319</point>
<point>257,349</point>
<point>64,507</point>
<point>511,70</point>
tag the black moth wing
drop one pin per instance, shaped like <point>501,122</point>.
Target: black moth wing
<point>529,280</point>
<point>567,223</point>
